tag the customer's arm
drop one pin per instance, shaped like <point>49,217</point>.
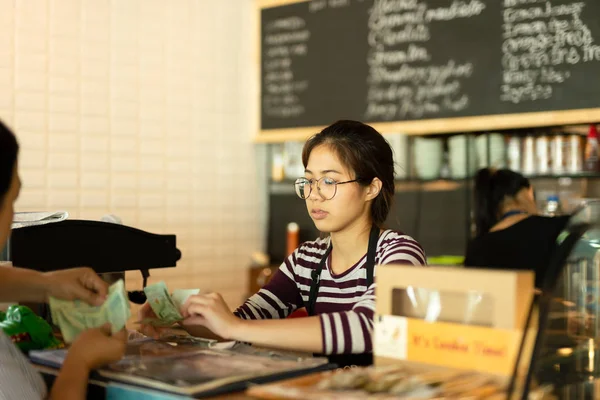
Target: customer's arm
<point>25,285</point>
<point>92,349</point>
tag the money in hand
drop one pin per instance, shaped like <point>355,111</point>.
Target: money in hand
<point>163,306</point>
<point>166,306</point>
<point>180,296</point>
<point>73,317</point>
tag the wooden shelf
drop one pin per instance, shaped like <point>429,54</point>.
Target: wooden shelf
<point>437,185</point>
<point>582,175</point>
<point>488,123</point>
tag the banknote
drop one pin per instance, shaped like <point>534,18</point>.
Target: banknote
<point>166,306</point>
<point>73,317</point>
<point>161,302</point>
<point>157,322</point>
<point>180,296</point>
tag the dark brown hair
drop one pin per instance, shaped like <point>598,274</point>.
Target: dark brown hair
<point>491,188</point>
<point>9,148</point>
<point>366,153</point>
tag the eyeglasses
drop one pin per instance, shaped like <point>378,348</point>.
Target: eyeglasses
<point>326,187</point>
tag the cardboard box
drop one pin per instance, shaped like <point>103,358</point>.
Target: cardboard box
<point>451,317</point>
<point>493,298</point>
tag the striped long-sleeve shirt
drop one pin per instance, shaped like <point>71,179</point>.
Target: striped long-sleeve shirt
<point>345,304</point>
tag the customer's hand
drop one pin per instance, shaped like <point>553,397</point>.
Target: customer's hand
<point>76,284</point>
<point>211,311</point>
<point>96,347</point>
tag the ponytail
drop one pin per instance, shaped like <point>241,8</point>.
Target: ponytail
<point>485,213</point>
<point>491,188</point>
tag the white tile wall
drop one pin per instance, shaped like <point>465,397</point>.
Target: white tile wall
<point>143,109</point>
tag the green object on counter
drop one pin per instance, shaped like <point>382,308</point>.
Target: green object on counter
<point>27,330</point>
<point>446,260</point>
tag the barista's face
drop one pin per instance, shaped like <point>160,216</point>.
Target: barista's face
<point>351,202</point>
<point>6,208</point>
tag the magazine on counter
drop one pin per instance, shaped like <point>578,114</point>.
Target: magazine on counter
<point>136,349</point>
<point>195,370</point>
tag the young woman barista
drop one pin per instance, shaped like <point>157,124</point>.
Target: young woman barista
<point>348,188</point>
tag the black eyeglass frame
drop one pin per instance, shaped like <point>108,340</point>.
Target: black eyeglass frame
<point>311,181</point>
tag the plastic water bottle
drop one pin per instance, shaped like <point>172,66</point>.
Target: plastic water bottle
<point>552,208</point>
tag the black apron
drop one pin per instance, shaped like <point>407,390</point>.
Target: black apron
<point>343,360</point>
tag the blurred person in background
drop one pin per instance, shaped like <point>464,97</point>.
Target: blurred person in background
<point>509,232</point>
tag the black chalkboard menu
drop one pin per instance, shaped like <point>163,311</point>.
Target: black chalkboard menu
<point>407,60</point>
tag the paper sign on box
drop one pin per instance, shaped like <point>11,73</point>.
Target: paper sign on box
<point>447,345</point>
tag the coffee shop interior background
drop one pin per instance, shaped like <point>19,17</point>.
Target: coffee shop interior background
<point>434,181</point>
<point>145,109</point>
<point>150,110</point>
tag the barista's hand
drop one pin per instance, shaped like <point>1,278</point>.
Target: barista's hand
<point>211,311</point>
<point>97,347</point>
<point>75,284</point>
<point>146,312</point>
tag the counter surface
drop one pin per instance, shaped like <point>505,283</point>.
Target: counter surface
<point>97,388</point>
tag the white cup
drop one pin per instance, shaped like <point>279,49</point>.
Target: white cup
<point>399,143</point>
<point>458,156</point>
<point>428,157</point>
<point>497,150</point>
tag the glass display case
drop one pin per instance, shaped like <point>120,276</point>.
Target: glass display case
<point>567,352</point>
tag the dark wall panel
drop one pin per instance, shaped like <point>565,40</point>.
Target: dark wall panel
<point>437,219</point>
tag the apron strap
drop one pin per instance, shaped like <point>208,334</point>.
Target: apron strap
<point>315,282</point>
<point>371,253</point>
<point>316,273</point>
<point>511,213</point>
